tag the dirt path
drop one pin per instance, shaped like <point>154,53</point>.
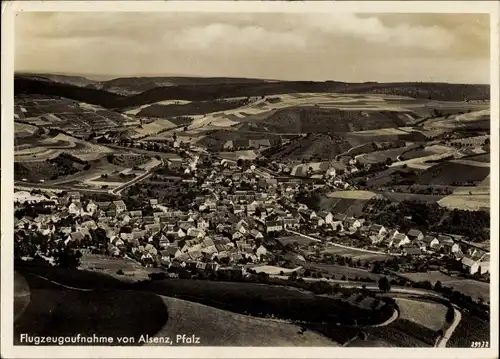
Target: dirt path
<point>457,317</point>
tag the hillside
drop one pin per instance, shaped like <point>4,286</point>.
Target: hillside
<point>312,147</point>
<point>323,120</point>
<point>204,92</point>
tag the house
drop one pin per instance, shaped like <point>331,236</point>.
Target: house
<point>430,242</point>
<point>274,226</point>
<point>400,239</point>
<point>352,222</point>
<point>290,222</point>
<point>415,235</point>
<point>75,209</point>
<point>327,217</point>
<point>375,239</point>
<point>377,230</point>
<point>117,206</point>
<point>256,234</point>
<point>449,247</point>
<point>241,227</point>
<point>473,267</point>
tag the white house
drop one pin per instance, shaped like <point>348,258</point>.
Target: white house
<point>401,239</point>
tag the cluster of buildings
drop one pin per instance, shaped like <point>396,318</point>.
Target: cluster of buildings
<point>228,221</point>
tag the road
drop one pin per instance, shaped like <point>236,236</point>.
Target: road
<point>457,317</point>
<point>343,246</point>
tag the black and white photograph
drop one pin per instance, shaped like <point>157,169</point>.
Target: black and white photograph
<point>252,179</point>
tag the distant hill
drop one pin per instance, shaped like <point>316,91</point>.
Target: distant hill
<point>204,90</point>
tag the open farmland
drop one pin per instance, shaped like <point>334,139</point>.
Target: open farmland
<point>382,156</point>
<point>427,314</point>
<point>153,128</point>
<point>71,116</point>
<point>355,255</point>
<point>473,119</point>
<point>339,271</point>
<point>473,288</point>
<point>189,317</point>
<point>299,240</point>
<point>365,195</point>
<point>452,172</point>
<point>312,147</point>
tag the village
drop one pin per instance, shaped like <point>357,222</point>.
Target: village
<point>241,216</point>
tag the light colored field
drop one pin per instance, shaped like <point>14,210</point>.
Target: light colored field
<point>471,287</point>
<point>110,266</point>
<point>153,127</point>
<point>245,155</point>
<point>23,127</point>
<point>438,149</point>
<point>136,110</point>
<point>474,202</point>
<point>217,327</point>
<point>89,107</point>
<point>352,194</point>
<point>459,120</point>
<point>36,154</point>
<point>430,315</point>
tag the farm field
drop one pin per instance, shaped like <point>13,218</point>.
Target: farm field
<point>450,172</point>
<point>364,195</point>
<point>470,287</point>
<point>104,264</point>
<point>382,156</point>
<point>49,147</point>
<point>427,314</point>
<point>339,271</point>
<point>474,202</point>
<point>425,152</point>
<point>71,116</point>
<point>235,155</point>
<point>212,324</point>
<point>152,128</point>
<point>391,175</point>
<point>349,206</point>
<point>355,255</point>
<point>300,240</point>
<point>477,118</point>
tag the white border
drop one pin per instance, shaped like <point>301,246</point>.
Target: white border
<point>8,14</point>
